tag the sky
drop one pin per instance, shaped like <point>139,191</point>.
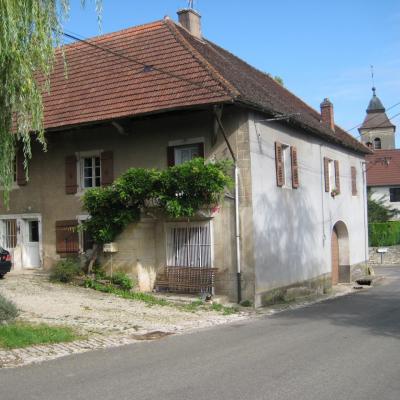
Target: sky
<point>319,48</point>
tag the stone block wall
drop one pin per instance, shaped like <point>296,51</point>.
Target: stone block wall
<point>391,257</point>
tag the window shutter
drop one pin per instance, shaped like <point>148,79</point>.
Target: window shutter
<point>279,164</point>
<point>170,156</point>
<point>295,168</point>
<point>326,173</point>
<point>21,175</point>
<point>67,237</point>
<point>201,150</point>
<point>71,185</point>
<point>107,168</point>
<point>337,177</point>
<point>353,181</point>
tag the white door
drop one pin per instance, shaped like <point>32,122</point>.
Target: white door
<point>30,243</point>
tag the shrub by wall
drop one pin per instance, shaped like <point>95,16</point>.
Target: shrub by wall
<point>384,233</point>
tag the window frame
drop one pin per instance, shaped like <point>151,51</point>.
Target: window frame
<point>390,194</point>
<point>287,166</point>
<point>80,157</point>
<point>177,145</point>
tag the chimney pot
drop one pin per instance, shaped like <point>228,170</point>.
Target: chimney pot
<point>327,114</point>
<point>190,20</point>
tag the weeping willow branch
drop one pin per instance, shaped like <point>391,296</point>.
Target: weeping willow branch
<point>30,30</point>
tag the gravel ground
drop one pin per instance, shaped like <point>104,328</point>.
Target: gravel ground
<point>94,312</point>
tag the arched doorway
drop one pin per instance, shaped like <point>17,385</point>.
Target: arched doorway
<point>340,256</point>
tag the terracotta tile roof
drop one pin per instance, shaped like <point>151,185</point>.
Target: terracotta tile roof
<point>182,72</point>
<point>383,168</point>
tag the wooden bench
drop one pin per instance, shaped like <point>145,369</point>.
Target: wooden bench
<point>186,280</point>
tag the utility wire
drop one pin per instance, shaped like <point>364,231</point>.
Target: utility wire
<point>387,109</point>
<point>146,67</point>
<point>378,126</point>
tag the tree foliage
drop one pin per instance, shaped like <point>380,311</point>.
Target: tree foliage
<point>29,32</point>
<point>178,191</point>
<point>378,211</point>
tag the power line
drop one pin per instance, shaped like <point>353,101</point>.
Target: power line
<point>356,126</point>
<point>146,67</point>
<point>378,126</point>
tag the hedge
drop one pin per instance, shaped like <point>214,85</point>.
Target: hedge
<point>384,233</point>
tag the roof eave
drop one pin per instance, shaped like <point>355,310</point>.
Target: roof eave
<point>291,121</point>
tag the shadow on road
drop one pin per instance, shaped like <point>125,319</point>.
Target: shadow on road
<point>376,310</point>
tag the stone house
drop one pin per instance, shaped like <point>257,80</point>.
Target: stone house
<point>157,95</point>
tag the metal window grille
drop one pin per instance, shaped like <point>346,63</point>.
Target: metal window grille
<point>10,233</point>
<point>189,246</point>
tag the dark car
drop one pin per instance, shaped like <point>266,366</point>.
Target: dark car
<point>5,262</point>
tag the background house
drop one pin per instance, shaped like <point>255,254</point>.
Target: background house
<point>383,167</point>
<point>159,94</point>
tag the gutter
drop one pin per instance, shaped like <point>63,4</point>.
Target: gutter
<point>217,113</point>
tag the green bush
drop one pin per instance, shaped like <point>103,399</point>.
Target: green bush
<point>65,271</point>
<point>122,280</point>
<point>8,310</point>
<point>384,233</point>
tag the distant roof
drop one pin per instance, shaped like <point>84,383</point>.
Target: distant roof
<point>376,115</point>
<point>383,168</point>
<point>162,68</point>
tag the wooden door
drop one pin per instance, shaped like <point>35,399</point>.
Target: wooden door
<point>335,257</point>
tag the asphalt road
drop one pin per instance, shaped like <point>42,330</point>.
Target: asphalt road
<point>346,348</point>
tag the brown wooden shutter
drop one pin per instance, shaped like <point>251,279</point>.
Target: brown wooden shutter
<point>21,175</point>
<point>337,177</point>
<point>201,149</point>
<point>353,181</point>
<point>295,167</point>
<point>170,156</point>
<point>280,180</point>
<point>326,173</point>
<point>107,168</point>
<point>71,185</point>
<point>67,237</point>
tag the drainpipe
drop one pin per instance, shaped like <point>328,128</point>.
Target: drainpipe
<point>217,114</point>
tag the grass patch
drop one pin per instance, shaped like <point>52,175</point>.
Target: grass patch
<point>151,300</point>
<point>23,335</point>
<point>200,305</point>
<point>126,294</point>
<point>8,310</point>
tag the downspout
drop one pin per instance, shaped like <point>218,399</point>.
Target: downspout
<point>365,201</point>
<point>217,114</point>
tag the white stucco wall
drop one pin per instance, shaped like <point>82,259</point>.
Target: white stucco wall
<point>292,227</point>
<point>382,192</point>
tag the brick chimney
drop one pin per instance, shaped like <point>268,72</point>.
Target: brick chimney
<point>190,20</point>
<point>327,114</point>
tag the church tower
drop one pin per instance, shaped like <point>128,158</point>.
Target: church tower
<point>377,131</point>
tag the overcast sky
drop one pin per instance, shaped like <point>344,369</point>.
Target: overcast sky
<point>320,48</point>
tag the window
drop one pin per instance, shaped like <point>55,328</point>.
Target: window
<point>90,172</point>
<point>287,174</point>
<point>67,237</point>
<point>180,154</point>
<point>189,245</point>
<point>9,233</point>
<point>33,231</point>
<point>377,144</point>
<point>332,176</point>
<point>394,195</point>
<point>88,169</point>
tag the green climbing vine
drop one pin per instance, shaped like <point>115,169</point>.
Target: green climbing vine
<point>178,191</point>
